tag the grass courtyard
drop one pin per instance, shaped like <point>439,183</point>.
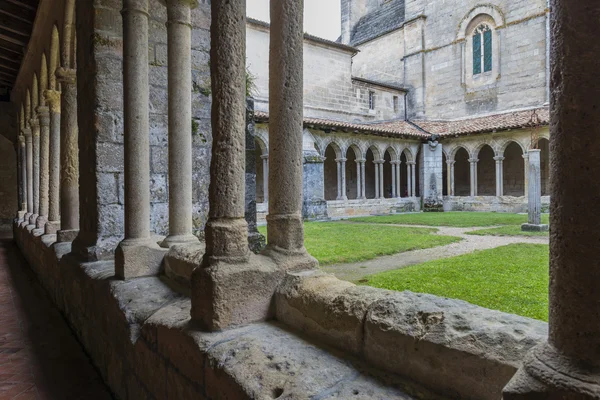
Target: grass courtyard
<point>341,242</point>
<point>512,279</point>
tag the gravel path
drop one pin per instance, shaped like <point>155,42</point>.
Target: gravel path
<point>469,243</point>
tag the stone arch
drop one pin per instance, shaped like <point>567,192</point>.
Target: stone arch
<point>489,10</point>
<point>330,180</point>
<point>54,58</point>
<point>261,145</point>
<point>486,171</point>
<point>462,173</point>
<point>506,143</point>
<point>514,169</point>
<point>358,153</point>
<point>544,146</point>
<point>455,150</point>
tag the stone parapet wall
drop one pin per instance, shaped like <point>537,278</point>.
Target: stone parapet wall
<point>506,204</point>
<point>140,337</point>
<point>357,208</point>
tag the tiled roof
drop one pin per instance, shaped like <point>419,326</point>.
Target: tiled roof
<point>489,123</point>
<point>396,129</point>
<point>387,18</point>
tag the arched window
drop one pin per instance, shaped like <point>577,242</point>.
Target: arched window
<point>482,49</point>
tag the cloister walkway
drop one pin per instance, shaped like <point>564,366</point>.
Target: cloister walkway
<point>355,271</point>
<point>39,355</point>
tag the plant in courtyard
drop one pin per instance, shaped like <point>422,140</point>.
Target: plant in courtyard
<point>250,83</point>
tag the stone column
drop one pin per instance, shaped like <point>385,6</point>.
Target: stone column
<point>526,171</point>
<point>534,221</point>
<point>363,177</point>
<point>376,164</point>
<point>35,133</point>
<point>69,157</point>
<point>473,176</point>
<point>285,226</point>
<point>358,179</point>
<point>44,119</point>
<point>342,167</point>
<point>398,180</point>
<point>53,224</point>
<point>499,176</point>
<point>408,180</point>
<point>137,255</point>
<point>381,188</point>
<point>568,365</point>
<point>338,164</point>
<point>394,163</point>
<point>413,180</point>
<point>450,179</point>
<point>23,183</point>
<point>265,158</point>
<point>29,172</point>
<point>179,36</point>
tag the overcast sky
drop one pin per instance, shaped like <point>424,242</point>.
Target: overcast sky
<point>321,17</point>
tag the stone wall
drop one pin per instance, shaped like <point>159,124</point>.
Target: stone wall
<point>100,102</point>
<point>508,204</point>
<point>9,192</point>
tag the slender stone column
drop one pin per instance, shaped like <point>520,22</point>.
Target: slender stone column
<point>137,255</point>
<point>363,177</point>
<point>179,36</point>
<point>69,157</point>
<point>534,222</point>
<point>44,119</point>
<point>473,176</point>
<point>358,179</point>
<point>526,171</point>
<point>23,182</point>
<point>568,365</point>
<point>408,179</point>
<point>450,179</point>
<point>29,173</point>
<point>394,163</point>
<point>285,226</point>
<point>53,224</point>
<point>265,158</point>
<point>342,181</point>
<point>381,188</point>
<point>338,164</point>
<point>376,164</point>
<point>499,176</point>
<point>35,133</point>
<point>398,180</point>
<point>413,180</point>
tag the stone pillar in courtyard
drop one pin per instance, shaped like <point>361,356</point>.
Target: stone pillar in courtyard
<point>342,178</point>
<point>413,180</point>
<point>363,176</point>
<point>23,182</point>
<point>526,171</point>
<point>568,365</point>
<point>137,255</point>
<point>53,224</point>
<point>265,161</point>
<point>314,206</point>
<point>35,134</point>
<point>394,190</point>
<point>376,165</point>
<point>450,177</point>
<point>534,195</point>
<point>433,184</point>
<point>473,175</point>
<point>29,174</point>
<point>499,175</point>
<point>381,187</point>
<point>179,38</point>
<point>44,120</point>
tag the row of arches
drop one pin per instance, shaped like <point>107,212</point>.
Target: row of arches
<point>511,180</point>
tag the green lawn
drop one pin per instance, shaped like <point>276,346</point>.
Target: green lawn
<point>511,278</point>
<point>509,230</point>
<point>339,242</point>
<point>457,219</point>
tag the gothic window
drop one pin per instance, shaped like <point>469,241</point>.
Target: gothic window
<point>482,49</point>
<point>371,100</point>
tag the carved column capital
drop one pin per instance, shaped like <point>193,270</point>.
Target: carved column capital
<point>499,158</point>
<point>27,133</point>
<point>66,75</point>
<point>53,100</point>
<point>473,160</point>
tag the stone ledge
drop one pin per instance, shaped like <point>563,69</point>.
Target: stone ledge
<point>452,346</point>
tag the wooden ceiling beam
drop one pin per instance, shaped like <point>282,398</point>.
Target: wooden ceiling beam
<point>10,58</point>
<point>10,46</point>
<point>7,67</point>
<point>16,26</point>
<point>7,76</point>
<point>31,4</point>
<point>23,13</point>
<point>13,37</point>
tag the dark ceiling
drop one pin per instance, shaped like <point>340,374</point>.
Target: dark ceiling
<point>16,24</point>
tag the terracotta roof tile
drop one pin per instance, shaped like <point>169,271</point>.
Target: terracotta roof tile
<point>489,123</point>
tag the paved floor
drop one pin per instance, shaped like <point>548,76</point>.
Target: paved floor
<point>469,243</point>
<point>39,356</point>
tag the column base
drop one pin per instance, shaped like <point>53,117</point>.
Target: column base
<point>534,228</point>
<point>21,215</point>
<point>52,227</point>
<point>291,261</point>
<point>41,221</point>
<point>172,240</point>
<point>226,295</point>
<point>182,259</point>
<point>433,205</point>
<point>548,375</point>
<point>138,257</point>
<point>33,218</point>
<point>67,235</point>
